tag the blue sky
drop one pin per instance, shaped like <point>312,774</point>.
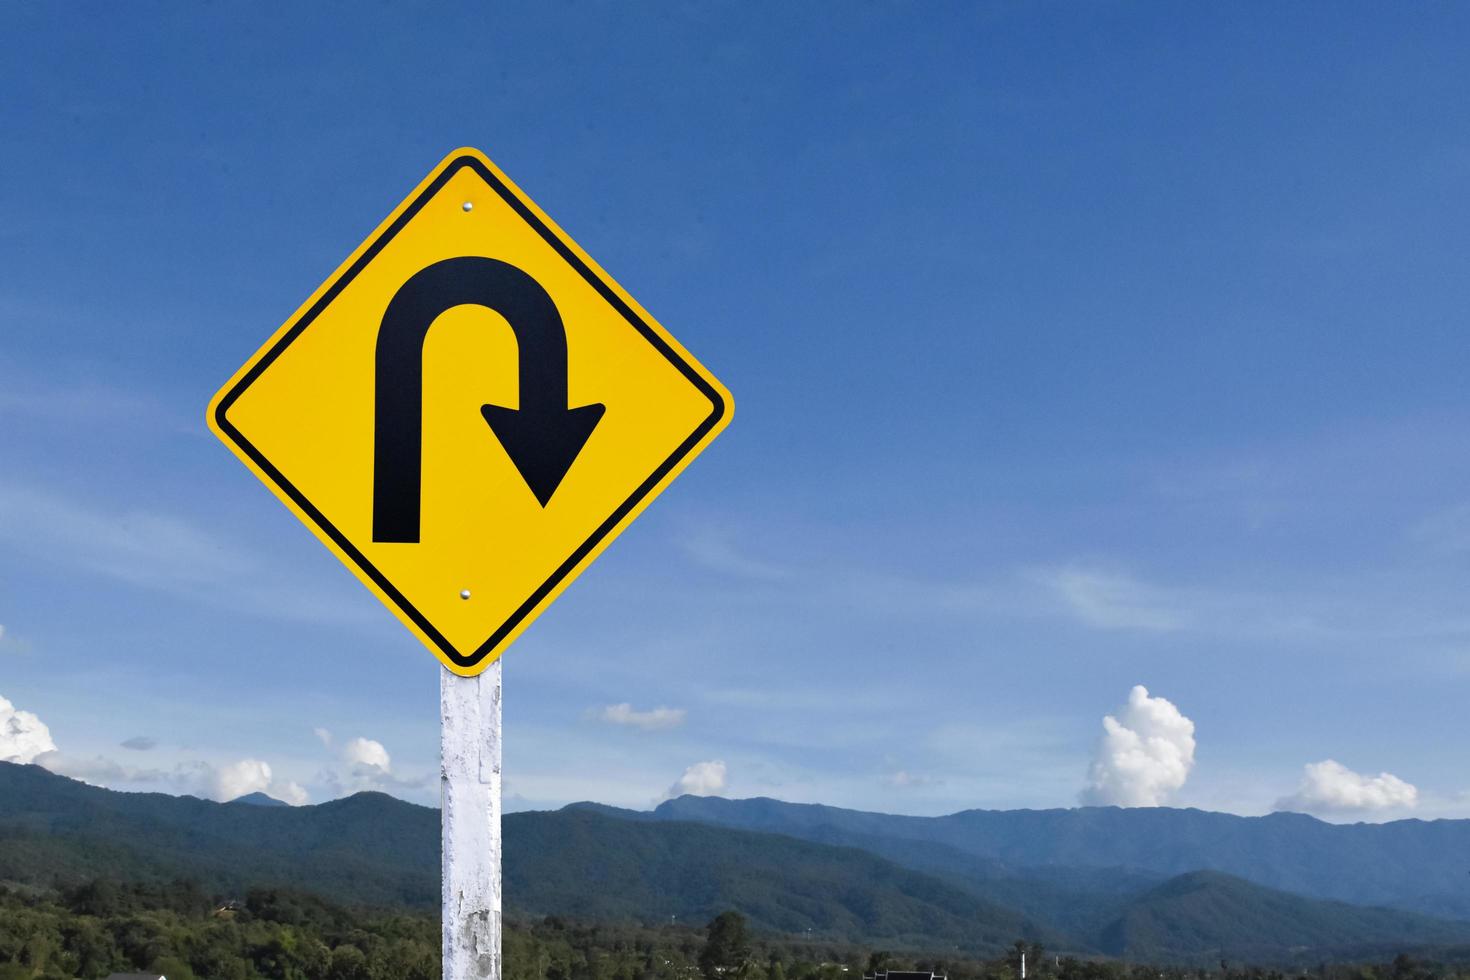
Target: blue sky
<point>1076,347</point>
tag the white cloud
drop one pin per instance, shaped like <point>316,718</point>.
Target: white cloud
<point>1113,602</point>
<point>364,753</point>
<point>700,779</point>
<point>23,736</point>
<point>290,792</point>
<point>650,720</point>
<point>370,767</point>
<point>324,736</point>
<point>903,779</point>
<point>1329,787</point>
<point>194,777</point>
<point>25,739</point>
<point>97,770</point>
<point>366,766</point>
<point>240,778</point>
<point>1144,756</point>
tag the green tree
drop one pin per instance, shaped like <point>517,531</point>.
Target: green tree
<point>726,947</point>
<point>173,968</point>
<point>348,963</point>
<point>90,946</point>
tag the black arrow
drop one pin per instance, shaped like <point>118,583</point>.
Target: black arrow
<point>542,437</point>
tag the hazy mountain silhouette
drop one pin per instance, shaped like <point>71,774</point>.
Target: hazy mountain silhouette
<point>976,880</point>
<point>1416,865</point>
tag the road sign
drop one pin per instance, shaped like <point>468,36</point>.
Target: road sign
<point>468,411</point>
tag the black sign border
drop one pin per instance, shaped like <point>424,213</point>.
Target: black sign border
<point>717,401</point>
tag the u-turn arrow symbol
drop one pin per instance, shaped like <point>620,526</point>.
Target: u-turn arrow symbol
<point>542,437</point>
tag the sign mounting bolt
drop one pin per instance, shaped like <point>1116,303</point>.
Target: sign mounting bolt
<point>468,205</point>
<point>464,593</point>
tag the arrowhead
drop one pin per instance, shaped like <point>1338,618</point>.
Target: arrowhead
<point>543,445</point>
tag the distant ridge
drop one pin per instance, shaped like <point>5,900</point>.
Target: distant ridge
<point>1205,915</point>
<point>845,876</point>
<point>375,850</point>
<point>1415,865</point>
<point>259,799</point>
<point>590,865</point>
<point>368,849</point>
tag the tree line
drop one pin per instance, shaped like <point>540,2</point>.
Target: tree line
<point>101,927</point>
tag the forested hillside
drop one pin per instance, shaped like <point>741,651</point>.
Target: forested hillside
<point>1411,864</point>
<point>371,849</point>
<point>597,864</point>
<point>88,932</point>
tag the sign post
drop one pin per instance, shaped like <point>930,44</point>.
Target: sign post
<point>469,794</point>
<point>466,413</point>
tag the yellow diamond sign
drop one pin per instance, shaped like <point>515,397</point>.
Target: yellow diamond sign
<point>468,411</point>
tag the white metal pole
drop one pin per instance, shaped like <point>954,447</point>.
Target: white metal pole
<point>469,796</point>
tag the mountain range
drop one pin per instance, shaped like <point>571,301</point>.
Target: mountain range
<point>1158,884</point>
<point>1417,865</point>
